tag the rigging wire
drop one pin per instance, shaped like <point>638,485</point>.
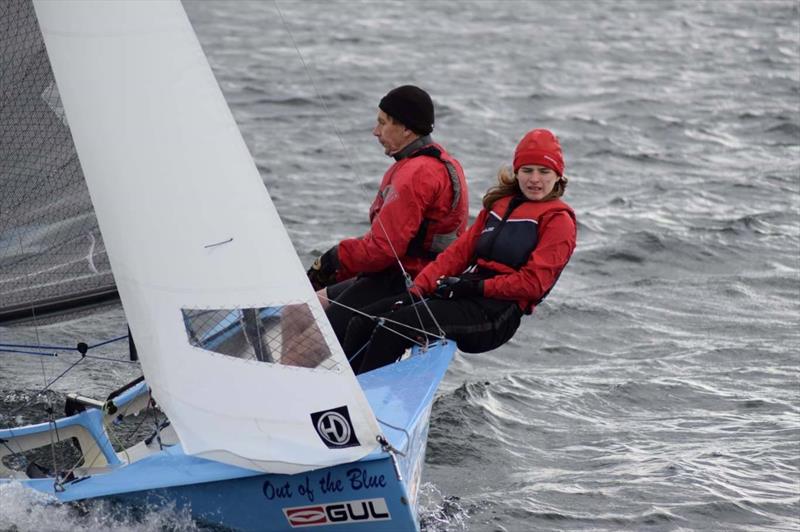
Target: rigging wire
<point>44,372</point>
<point>49,408</point>
<point>395,427</point>
<point>18,352</point>
<point>389,320</point>
<point>350,160</point>
<point>81,348</point>
<point>107,359</point>
<point>47,386</point>
<point>33,310</point>
<point>56,483</point>
<point>66,348</point>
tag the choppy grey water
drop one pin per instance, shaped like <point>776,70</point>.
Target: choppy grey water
<point>657,388</point>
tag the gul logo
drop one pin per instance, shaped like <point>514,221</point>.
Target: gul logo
<point>338,513</point>
<point>335,428</point>
<point>306,516</point>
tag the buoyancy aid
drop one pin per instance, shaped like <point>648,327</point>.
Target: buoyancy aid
<point>428,217</point>
<point>511,230</point>
<point>511,234</point>
<point>433,237</point>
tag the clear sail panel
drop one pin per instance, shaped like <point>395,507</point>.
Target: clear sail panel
<point>287,335</point>
<point>51,251</point>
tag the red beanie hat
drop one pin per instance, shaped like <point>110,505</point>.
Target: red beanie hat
<point>539,147</point>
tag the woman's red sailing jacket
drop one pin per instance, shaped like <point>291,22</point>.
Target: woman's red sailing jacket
<point>521,256</point>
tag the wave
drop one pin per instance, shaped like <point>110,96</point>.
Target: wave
<point>26,510</point>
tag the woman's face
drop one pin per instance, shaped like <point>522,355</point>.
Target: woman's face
<point>536,182</point>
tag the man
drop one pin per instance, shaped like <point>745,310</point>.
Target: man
<point>421,207</point>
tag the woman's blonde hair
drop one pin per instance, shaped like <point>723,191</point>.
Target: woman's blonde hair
<point>508,185</point>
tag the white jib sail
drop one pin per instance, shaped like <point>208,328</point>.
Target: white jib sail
<point>199,254</point>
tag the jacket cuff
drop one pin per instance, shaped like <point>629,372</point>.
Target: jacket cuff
<point>479,288</point>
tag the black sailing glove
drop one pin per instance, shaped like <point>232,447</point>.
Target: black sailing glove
<point>323,272</point>
<point>455,287</point>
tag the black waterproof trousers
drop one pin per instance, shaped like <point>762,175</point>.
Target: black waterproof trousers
<point>358,293</point>
<point>476,324</point>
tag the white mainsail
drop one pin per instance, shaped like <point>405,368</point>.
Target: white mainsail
<point>190,228</point>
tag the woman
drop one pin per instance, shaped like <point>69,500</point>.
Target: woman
<point>500,269</point>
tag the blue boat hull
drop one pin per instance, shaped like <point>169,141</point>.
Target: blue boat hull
<point>376,493</point>
<point>363,496</point>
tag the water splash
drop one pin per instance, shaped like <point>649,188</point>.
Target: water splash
<point>440,513</point>
<point>26,510</point>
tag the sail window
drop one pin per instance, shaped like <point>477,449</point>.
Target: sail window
<point>287,334</point>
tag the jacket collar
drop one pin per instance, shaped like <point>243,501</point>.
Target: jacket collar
<point>414,146</point>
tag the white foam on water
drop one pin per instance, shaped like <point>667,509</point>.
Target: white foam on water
<point>440,513</point>
<point>25,510</point>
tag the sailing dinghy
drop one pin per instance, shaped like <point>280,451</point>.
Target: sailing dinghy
<point>268,428</point>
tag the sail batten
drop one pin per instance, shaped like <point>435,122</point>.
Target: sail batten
<point>192,235</point>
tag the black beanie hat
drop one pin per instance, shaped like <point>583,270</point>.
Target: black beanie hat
<point>411,106</point>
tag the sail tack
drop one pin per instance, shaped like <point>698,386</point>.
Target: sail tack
<point>199,253</point>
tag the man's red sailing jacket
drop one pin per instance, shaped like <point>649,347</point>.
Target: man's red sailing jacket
<point>421,207</point>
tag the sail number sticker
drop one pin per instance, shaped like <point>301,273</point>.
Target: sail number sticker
<point>337,513</point>
<point>335,428</point>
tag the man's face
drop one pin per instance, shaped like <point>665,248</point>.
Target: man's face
<point>392,135</point>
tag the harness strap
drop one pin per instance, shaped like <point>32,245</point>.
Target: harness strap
<point>433,151</point>
<point>416,247</point>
